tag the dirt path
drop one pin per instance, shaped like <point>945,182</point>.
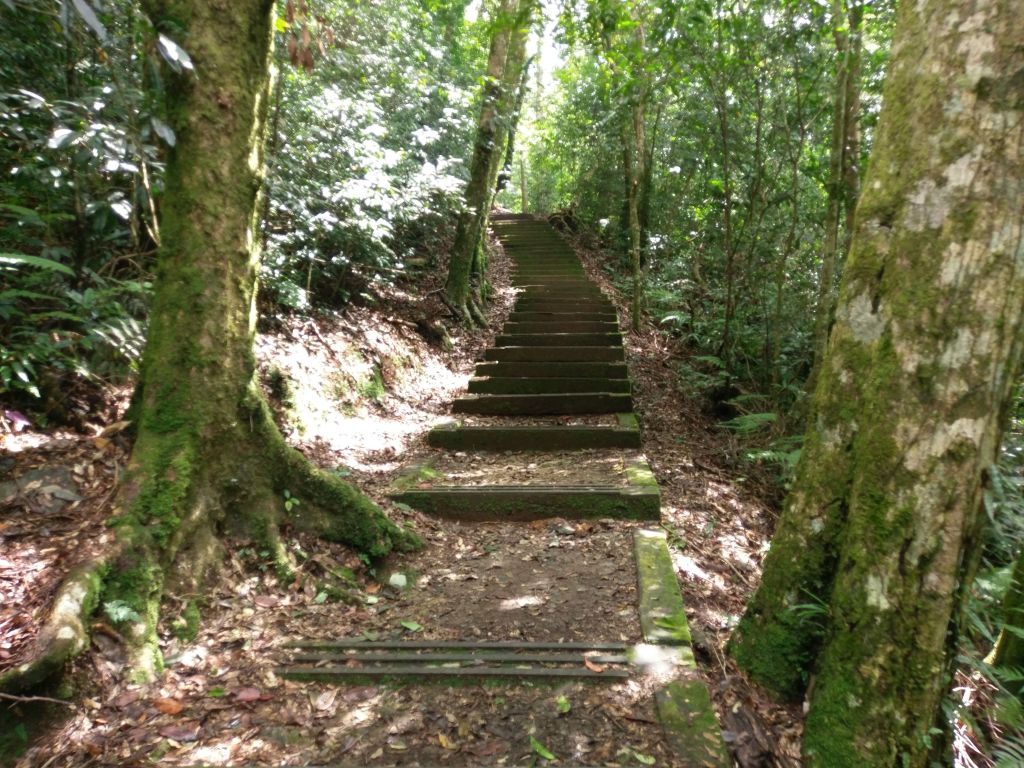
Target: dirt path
<point>221,701</point>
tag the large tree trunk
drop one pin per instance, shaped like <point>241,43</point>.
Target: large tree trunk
<point>878,540</point>
<point>208,457</point>
<point>503,139</point>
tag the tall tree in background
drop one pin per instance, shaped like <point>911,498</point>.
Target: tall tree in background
<point>208,457</point>
<point>879,538</point>
<point>505,63</point>
<point>844,165</point>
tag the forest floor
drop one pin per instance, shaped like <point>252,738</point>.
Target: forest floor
<point>362,391</point>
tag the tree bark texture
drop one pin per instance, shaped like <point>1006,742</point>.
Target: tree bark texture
<point>877,542</point>
<point>208,457</point>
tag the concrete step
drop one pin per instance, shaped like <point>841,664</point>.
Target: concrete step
<point>560,325</point>
<point>528,304</point>
<point>511,502</point>
<point>565,283</point>
<point>569,316</point>
<point>540,290</point>
<point>558,340</point>
<point>456,437</point>
<point>555,354</point>
<point>544,405</point>
<point>524,385</point>
<point>552,370</point>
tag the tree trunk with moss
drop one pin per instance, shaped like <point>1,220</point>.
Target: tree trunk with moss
<point>472,220</point>
<point>208,459</point>
<point>504,138</point>
<point>878,541</point>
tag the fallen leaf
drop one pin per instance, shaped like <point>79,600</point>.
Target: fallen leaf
<point>168,706</point>
<point>265,601</point>
<point>541,750</point>
<point>445,742</point>
<point>326,699</point>
<point>247,695</point>
<point>182,733</point>
<point>599,668</point>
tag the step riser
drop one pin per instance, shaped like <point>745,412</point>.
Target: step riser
<point>552,370</point>
<point>559,340</point>
<point>523,504</point>
<point>569,317</point>
<point>556,354</point>
<point>580,305</point>
<point>527,386</point>
<point>561,326</point>
<point>544,405</point>
<point>532,439</point>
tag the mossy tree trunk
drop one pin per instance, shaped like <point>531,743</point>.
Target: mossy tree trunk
<point>878,541</point>
<point>504,141</point>
<point>208,458</point>
<point>472,221</point>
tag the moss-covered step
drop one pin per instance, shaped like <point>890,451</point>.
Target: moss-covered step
<point>525,316</point>
<point>555,354</point>
<point>544,386</point>
<point>662,611</point>
<point>455,437</point>
<point>558,340</point>
<point>544,405</point>
<point>553,370</point>
<point>560,325</point>
<point>522,502</point>
<point>691,726</point>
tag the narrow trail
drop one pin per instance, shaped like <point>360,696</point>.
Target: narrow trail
<point>550,407</point>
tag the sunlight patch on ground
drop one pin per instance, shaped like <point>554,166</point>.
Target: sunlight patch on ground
<point>512,603</point>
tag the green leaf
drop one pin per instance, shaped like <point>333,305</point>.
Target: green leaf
<point>91,19</point>
<point>563,705</point>
<point>412,626</point>
<point>321,598</point>
<point>17,259</point>
<point>541,750</point>
<point>164,131</point>
<point>216,693</point>
<point>175,56</point>
<point>645,759</point>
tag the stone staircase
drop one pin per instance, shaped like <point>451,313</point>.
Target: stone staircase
<point>551,401</point>
<point>555,380</point>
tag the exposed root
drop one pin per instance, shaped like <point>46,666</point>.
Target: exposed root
<point>65,633</point>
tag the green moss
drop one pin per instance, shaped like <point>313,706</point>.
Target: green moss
<point>186,626</point>
<point>372,388</point>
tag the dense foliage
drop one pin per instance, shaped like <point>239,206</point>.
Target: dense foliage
<point>369,146</point>
<point>371,123</point>
<point>738,109</point>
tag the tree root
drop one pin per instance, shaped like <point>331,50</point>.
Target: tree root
<point>65,633</point>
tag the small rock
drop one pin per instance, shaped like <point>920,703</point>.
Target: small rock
<point>566,530</point>
<point>398,581</point>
